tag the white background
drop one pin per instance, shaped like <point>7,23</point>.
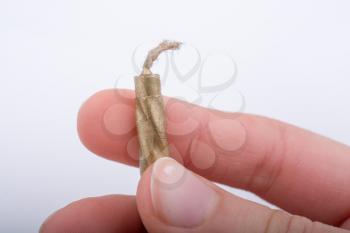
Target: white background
<point>293,59</point>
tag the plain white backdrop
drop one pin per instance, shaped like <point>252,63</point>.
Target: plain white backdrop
<point>293,60</point>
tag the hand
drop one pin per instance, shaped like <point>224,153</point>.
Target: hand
<point>303,173</point>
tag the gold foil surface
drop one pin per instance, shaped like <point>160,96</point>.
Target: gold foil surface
<point>150,119</point>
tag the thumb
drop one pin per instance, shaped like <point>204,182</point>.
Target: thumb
<point>172,199</point>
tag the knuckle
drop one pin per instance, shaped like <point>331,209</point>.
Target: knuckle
<point>298,224</point>
<point>270,164</point>
<point>282,222</point>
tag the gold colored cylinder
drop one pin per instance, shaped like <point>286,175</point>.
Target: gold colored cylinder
<point>150,120</point>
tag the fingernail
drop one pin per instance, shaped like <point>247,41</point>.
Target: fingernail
<point>179,197</point>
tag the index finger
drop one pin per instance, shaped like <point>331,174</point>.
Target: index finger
<point>299,171</point>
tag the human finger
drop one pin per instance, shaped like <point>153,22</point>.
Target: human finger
<point>297,170</point>
<point>172,199</point>
<point>107,214</point>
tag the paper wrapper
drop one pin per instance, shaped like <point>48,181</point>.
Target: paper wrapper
<point>150,120</point>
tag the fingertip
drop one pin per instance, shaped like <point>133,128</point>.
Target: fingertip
<point>97,127</point>
<point>144,201</point>
<point>112,213</point>
<point>170,198</point>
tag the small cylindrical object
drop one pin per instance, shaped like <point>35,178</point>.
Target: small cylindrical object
<point>150,116</point>
<point>150,120</point>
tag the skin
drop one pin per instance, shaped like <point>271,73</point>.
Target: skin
<point>305,174</point>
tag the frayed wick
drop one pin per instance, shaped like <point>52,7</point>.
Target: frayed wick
<point>154,53</point>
